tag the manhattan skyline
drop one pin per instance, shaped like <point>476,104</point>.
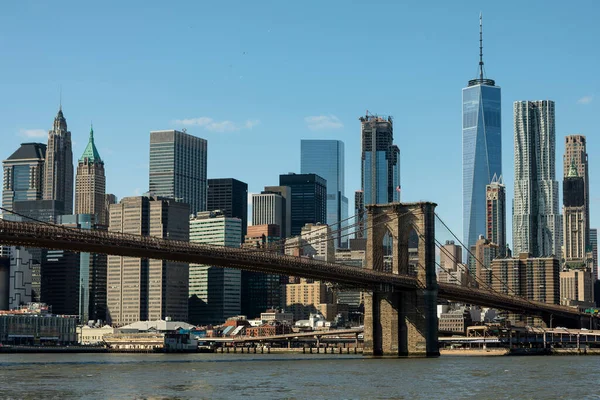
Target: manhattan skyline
<point>239,88</point>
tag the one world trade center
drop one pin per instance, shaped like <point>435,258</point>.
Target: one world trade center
<point>482,147</point>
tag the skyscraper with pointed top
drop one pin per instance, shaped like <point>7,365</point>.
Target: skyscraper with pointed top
<point>482,147</point>
<point>90,183</point>
<point>58,176</point>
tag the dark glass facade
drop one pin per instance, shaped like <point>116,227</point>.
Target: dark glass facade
<point>309,199</point>
<point>231,197</point>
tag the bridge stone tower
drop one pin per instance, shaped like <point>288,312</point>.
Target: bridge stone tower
<point>401,324</point>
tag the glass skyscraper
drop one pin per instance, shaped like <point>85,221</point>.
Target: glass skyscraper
<point>178,168</point>
<point>482,149</point>
<point>326,159</point>
<point>309,199</point>
<point>380,161</point>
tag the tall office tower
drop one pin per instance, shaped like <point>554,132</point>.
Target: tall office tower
<point>139,289</point>
<point>380,161</point>
<point>109,199</point>
<point>90,183</point>
<point>268,209</point>
<point>24,174</point>
<point>576,153</point>
<point>286,208</point>
<point>178,168</point>
<point>594,247</point>
<point>326,159</point>
<point>495,219</point>
<point>574,223</point>
<point>261,291</point>
<point>536,220</point>
<point>215,292</point>
<point>231,197</point>
<point>482,147</point>
<point>309,199</point>
<point>359,211</point>
<point>74,283</point>
<point>450,256</point>
<point>58,175</point>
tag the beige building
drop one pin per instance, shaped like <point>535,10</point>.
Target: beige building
<point>89,335</point>
<point>576,153</point>
<point>90,183</point>
<point>577,288</point>
<point>318,237</point>
<point>305,298</point>
<point>58,174</point>
<point>143,289</point>
<point>450,256</point>
<point>480,265</point>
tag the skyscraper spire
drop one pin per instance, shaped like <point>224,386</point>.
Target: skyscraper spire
<point>481,47</point>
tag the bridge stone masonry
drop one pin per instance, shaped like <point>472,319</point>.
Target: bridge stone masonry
<point>401,323</point>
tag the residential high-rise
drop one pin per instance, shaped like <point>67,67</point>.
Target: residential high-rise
<point>360,212</point>
<point>58,176</point>
<point>141,289</point>
<point>215,292</point>
<point>380,160</point>
<point>536,220</point>
<point>577,287</point>
<point>317,237</point>
<point>594,247</point>
<point>480,262</point>
<point>534,278</point>
<point>575,224</point>
<point>576,153</point>
<point>326,159</point>
<point>307,297</point>
<point>231,197</point>
<point>178,168</point>
<point>24,174</point>
<point>309,199</point>
<point>261,291</point>
<point>90,183</point>
<point>450,256</point>
<point>495,220</point>
<point>482,147</point>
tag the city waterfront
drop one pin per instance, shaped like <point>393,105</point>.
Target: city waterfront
<point>214,376</point>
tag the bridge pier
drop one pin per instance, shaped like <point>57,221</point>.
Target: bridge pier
<point>401,324</point>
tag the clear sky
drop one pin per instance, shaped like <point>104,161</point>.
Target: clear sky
<point>254,78</point>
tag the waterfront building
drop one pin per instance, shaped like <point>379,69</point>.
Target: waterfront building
<point>260,291</point>
<point>23,174</point>
<point>495,221</point>
<point>34,324</point>
<point>536,221</point>
<point>230,196</point>
<point>574,220</point>
<point>147,289</point>
<point>576,153</point>
<point>309,199</point>
<point>215,292</point>
<point>326,159</point>
<point>482,147</point>
<point>90,183</point>
<point>178,168</point>
<point>58,175</point>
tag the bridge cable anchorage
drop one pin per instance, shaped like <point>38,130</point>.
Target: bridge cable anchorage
<point>490,289</point>
<point>505,284</point>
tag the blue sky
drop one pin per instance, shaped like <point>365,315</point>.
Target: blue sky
<point>254,78</point>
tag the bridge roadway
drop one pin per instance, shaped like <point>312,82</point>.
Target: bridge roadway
<point>57,237</point>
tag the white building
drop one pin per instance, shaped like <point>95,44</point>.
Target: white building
<point>219,289</point>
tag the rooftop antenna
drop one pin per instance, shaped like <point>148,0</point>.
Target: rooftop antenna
<point>60,98</point>
<point>481,47</point>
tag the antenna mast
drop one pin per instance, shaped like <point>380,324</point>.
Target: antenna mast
<point>480,47</point>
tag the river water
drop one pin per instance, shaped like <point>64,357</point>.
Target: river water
<point>262,376</point>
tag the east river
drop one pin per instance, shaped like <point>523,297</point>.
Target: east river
<point>249,376</point>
